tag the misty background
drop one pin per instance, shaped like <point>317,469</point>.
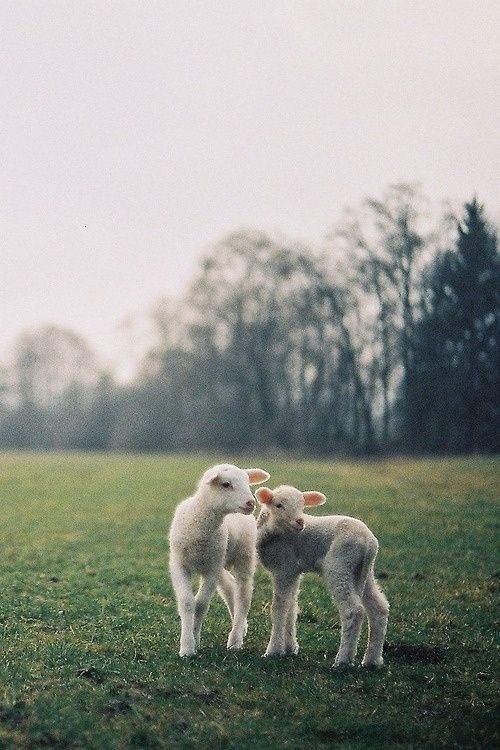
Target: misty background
<point>228,226</point>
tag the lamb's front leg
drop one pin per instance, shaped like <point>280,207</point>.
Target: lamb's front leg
<point>283,592</point>
<point>202,603</point>
<point>185,606</point>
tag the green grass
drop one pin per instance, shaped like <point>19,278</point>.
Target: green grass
<point>89,631</point>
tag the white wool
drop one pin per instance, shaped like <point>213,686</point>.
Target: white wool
<point>211,537</point>
<point>340,549</point>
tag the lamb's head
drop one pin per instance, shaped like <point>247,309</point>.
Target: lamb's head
<point>283,507</point>
<point>227,487</point>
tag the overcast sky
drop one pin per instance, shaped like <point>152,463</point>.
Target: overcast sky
<point>134,134</point>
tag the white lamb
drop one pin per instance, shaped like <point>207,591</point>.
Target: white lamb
<point>208,536</point>
<point>341,549</point>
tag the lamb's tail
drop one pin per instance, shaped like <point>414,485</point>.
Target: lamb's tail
<point>365,569</point>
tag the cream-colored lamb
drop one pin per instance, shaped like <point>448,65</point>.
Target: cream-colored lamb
<point>341,549</point>
<point>212,533</point>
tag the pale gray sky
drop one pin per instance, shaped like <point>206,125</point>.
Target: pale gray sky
<point>133,134</point>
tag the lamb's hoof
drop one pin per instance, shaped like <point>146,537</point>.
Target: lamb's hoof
<point>188,648</point>
<point>340,665</point>
<point>372,663</point>
<point>293,649</point>
<point>274,653</point>
<point>234,643</point>
<point>235,646</point>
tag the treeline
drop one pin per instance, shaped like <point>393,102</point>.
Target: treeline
<point>386,340</point>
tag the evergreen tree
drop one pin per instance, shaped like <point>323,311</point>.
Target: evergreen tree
<point>455,401</point>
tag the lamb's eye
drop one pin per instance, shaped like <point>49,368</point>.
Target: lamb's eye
<point>226,484</point>
<point>279,505</point>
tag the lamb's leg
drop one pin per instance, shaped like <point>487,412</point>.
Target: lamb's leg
<point>283,591</point>
<point>225,588</point>
<point>377,609</point>
<point>351,615</point>
<point>185,605</point>
<point>291,643</point>
<point>242,601</point>
<point>202,603</point>
<point>339,577</point>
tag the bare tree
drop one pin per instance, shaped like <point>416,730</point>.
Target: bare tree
<point>382,249</point>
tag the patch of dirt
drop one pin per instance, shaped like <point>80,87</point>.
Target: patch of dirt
<point>90,673</point>
<point>329,735</point>
<point>210,697</point>
<point>181,724</point>
<point>47,739</point>
<point>15,714</point>
<point>143,739</point>
<point>115,708</point>
<point>430,711</point>
<point>485,676</point>
<point>168,692</point>
<point>415,654</point>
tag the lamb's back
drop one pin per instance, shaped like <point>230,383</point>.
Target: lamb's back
<point>336,527</point>
<point>305,550</point>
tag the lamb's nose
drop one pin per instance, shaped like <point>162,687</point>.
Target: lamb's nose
<point>250,504</point>
<point>300,523</point>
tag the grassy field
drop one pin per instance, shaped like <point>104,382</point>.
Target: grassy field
<point>89,631</point>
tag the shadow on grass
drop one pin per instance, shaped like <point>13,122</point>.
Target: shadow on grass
<point>412,654</point>
<point>305,661</point>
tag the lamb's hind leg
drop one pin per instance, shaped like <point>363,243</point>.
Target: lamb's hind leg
<point>377,609</point>
<point>291,642</point>
<point>226,590</point>
<point>243,576</point>
<point>202,603</point>
<point>339,577</point>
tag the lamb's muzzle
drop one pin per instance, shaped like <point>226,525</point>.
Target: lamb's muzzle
<point>248,508</point>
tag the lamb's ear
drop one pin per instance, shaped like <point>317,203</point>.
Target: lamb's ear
<point>264,495</point>
<point>211,476</point>
<point>257,476</point>
<point>313,498</point>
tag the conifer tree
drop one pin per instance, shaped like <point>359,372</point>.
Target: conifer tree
<point>455,403</point>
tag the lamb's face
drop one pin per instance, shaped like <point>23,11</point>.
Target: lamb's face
<point>230,487</point>
<point>284,506</point>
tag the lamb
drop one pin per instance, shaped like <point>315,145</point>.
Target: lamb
<point>341,549</point>
<point>212,532</point>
